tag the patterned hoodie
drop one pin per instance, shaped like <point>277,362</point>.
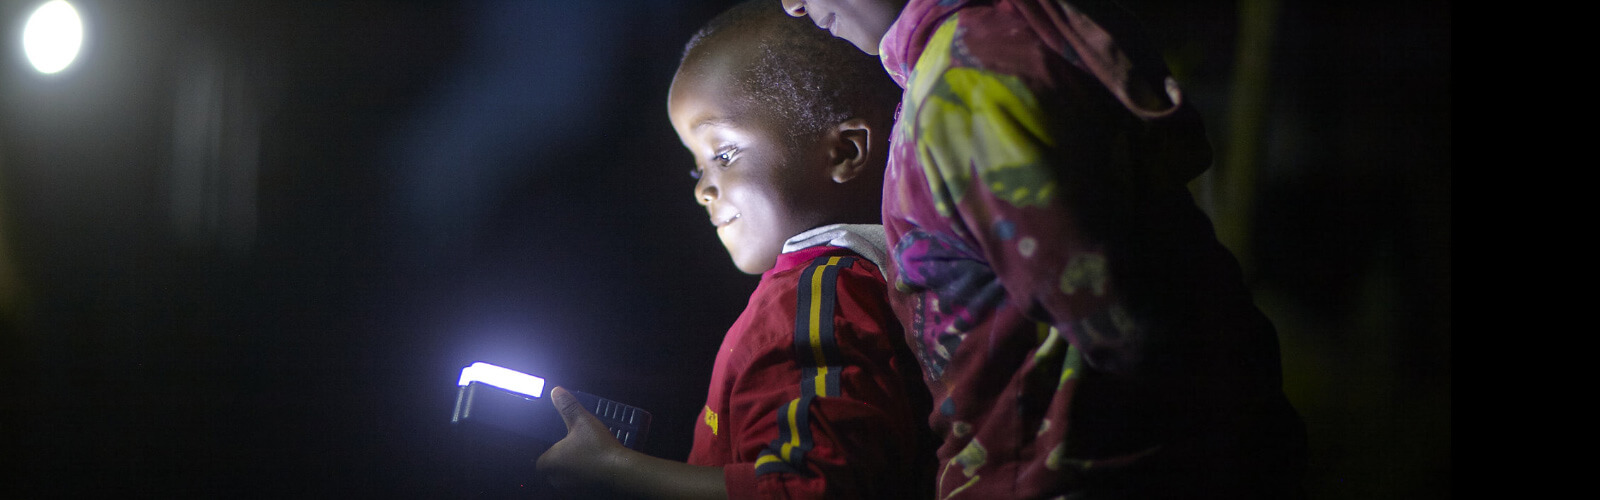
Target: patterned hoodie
<point>1081,330</point>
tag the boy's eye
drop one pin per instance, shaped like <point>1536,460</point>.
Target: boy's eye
<point>723,158</point>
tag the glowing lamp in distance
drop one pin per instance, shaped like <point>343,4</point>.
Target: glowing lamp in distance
<point>52,37</point>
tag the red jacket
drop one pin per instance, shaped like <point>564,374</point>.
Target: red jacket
<point>814,394</point>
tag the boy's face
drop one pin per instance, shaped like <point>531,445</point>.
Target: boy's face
<point>861,22</point>
<point>758,189</point>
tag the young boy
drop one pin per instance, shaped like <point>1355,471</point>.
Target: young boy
<point>1081,330</point>
<point>813,394</point>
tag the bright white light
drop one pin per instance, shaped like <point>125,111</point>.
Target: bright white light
<point>52,37</point>
<point>504,378</point>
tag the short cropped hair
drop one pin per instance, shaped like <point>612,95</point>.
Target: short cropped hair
<point>810,78</point>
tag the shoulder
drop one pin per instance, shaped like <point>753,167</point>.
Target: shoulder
<point>836,257</point>
<point>993,38</point>
<point>979,60</point>
<point>825,276</point>
<point>833,281</point>
<point>840,266</point>
<point>825,282</point>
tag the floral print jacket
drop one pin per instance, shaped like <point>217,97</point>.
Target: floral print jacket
<point>1080,328</point>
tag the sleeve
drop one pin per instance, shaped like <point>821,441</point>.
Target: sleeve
<point>824,412</point>
<point>1031,166</point>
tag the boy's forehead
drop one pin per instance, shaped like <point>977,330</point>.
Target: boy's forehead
<point>711,80</point>
<point>721,57</point>
<point>706,110</point>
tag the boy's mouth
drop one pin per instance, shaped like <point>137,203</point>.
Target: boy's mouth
<point>724,222</point>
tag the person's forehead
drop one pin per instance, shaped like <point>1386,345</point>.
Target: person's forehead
<point>723,57</point>
<point>710,88</point>
<point>710,114</point>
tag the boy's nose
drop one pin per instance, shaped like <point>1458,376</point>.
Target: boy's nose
<point>796,8</point>
<point>704,193</point>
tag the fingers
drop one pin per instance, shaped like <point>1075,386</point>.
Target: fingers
<point>572,411</point>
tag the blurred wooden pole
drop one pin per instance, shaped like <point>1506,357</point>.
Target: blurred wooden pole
<point>11,292</point>
<point>1247,112</point>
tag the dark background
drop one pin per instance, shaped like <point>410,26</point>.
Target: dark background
<point>246,246</point>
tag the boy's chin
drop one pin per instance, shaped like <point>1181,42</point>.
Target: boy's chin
<point>756,267</point>
<point>754,264</point>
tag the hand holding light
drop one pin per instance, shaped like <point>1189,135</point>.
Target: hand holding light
<point>589,462</point>
<point>589,456</point>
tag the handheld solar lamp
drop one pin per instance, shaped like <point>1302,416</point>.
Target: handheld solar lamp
<point>515,401</point>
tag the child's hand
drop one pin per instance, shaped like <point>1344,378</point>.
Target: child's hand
<point>591,462</point>
<point>588,456</point>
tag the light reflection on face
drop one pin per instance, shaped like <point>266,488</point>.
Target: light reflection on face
<point>861,22</point>
<point>756,186</point>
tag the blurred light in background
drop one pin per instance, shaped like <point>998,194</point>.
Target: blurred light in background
<point>532,78</point>
<point>53,36</point>
<point>214,164</point>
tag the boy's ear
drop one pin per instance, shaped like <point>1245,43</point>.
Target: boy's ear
<point>852,149</point>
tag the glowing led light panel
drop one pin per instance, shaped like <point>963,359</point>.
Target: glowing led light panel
<point>504,378</point>
<point>52,36</point>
